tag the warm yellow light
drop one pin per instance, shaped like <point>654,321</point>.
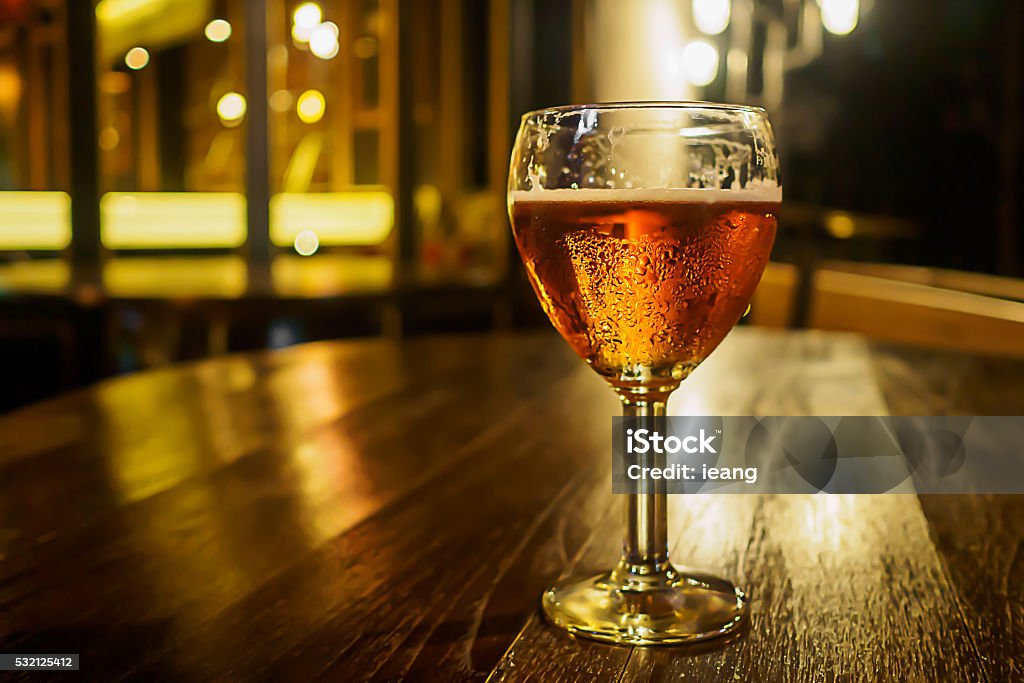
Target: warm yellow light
<point>306,243</point>
<point>281,101</point>
<point>115,83</point>
<point>839,16</point>
<point>112,10</point>
<point>122,24</point>
<point>711,16</point>
<point>840,225</point>
<point>428,203</point>
<point>306,17</point>
<point>10,89</point>
<point>311,106</point>
<point>217,31</point>
<point>231,108</point>
<point>323,41</point>
<point>336,218</point>
<point>137,58</point>
<point>172,220</point>
<point>277,57</point>
<point>298,174</point>
<point>109,138</point>
<point>35,220</point>
<point>700,62</point>
<point>186,276</point>
<point>42,276</point>
<point>331,274</point>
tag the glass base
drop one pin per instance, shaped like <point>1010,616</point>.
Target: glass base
<point>665,608</point>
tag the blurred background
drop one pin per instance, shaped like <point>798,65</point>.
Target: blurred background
<point>185,178</point>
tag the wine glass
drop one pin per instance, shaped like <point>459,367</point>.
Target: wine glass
<point>644,228</point>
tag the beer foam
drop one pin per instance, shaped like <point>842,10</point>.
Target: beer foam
<point>674,195</point>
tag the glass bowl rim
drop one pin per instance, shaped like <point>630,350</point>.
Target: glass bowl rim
<point>683,105</point>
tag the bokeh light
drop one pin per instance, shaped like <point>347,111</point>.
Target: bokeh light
<point>323,41</point>
<point>217,31</point>
<point>700,62</point>
<point>281,101</point>
<point>306,17</point>
<point>711,16</point>
<point>839,16</point>
<point>310,106</point>
<point>137,58</point>
<point>231,108</point>
<point>109,138</point>
<point>306,243</point>
<point>840,225</point>
<point>10,89</point>
<point>277,57</point>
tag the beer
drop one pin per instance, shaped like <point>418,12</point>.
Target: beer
<point>644,284</point>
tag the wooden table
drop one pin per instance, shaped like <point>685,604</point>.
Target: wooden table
<point>382,510</point>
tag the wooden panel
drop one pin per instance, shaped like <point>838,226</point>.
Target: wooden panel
<point>772,305</point>
<point>957,280</point>
<point>916,314</point>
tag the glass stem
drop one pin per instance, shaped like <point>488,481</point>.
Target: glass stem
<point>645,546</point>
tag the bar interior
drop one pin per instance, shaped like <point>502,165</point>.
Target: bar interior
<point>279,399</point>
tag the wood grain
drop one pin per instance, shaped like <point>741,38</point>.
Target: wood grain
<point>978,538</point>
<point>834,580</point>
<point>384,511</point>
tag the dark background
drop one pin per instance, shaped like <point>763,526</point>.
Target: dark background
<point>900,145</point>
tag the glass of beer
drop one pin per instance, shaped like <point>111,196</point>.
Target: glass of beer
<point>644,228</point>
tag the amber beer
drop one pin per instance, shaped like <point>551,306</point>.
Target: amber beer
<point>644,284</point>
